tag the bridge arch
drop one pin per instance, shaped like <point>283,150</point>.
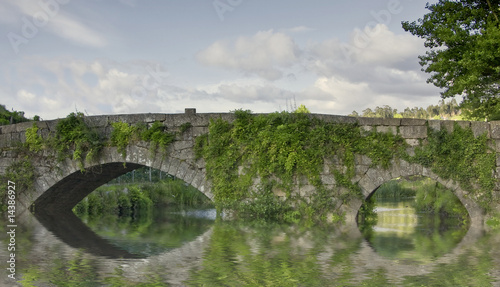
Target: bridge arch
<point>66,184</point>
<point>374,177</point>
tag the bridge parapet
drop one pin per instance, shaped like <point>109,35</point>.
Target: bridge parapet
<point>181,161</point>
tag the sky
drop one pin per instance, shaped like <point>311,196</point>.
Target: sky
<point>162,56</point>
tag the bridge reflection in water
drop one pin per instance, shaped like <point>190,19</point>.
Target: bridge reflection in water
<point>243,250</point>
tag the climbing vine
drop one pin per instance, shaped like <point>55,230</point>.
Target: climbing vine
<point>462,157</point>
<point>76,140</point>
<point>123,134</point>
<point>282,149</point>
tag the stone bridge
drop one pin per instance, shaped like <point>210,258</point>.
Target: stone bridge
<point>61,185</point>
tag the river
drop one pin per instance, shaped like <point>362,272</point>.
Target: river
<point>194,248</point>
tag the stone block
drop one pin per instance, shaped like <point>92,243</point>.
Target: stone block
<point>174,165</point>
<point>335,119</point>
<point>448,125</point>
<point>463,124</point>
<point>479,128</point>
<point>497,144</point>
<point>434,124</point>
<point>362,160</point>
<point>197,179</point>
<point>189,176</point>
<point>182,170</point>
<point>307,190</point>
<point>362,121</point>
<point>379,175</point>
<point>412,142</point>
<point>21,127</point>
<point>182,145</point>
<point>495,129</point>
<point>412,122</point>
<point>387,129</point>
<point>413,132</point>
<point>198,131</point>
<point>327,179</point>
<point>366,129</point>
<point>165,164</point>
<point>96,121</point>
<point>5,140</point>
<point>9,129</point>
<point>367,186</point>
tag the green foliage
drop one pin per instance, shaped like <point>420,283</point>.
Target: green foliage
<point>302,109</point>
<point>231,260</point>
<point>76,139</point>
<point>158,137</point>
<point>266,207</point>
<point>494,222</point>
<point>11,117</point>
<point>130,199</point>
<point>444,110</point>
<point>22,172</point>
<point>123,134</point>
<point>34,142</point>
<point>281,148</point>
<point>462,157</point>
<point>184,127</point>
<point>463,38</point>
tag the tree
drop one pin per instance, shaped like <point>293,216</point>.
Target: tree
<point>463,37</point>
<point>302,110</point>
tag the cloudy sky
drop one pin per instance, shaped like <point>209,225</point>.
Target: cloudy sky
<point>132,56</point>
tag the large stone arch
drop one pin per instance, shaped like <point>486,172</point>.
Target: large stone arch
<point>62,186</point>
<point>374,177</point>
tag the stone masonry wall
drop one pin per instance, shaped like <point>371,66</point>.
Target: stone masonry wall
<point>181,156</point>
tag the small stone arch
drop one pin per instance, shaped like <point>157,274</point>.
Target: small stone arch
<point>376,176</point>
<point>66,185</point>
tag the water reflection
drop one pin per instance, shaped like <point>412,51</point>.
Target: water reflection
<point>152,234</point>
<point>400,232</point>
<point>256,254</point>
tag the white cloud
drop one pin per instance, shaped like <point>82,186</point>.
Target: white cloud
<point>70,29</point>
<point>299,29</point>
<point>264,54</point>
<point>53,17</point>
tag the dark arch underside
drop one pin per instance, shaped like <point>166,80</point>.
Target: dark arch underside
<point>65,194</point>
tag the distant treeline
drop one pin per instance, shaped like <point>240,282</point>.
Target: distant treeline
<point>444,110</point>
<point>13,117</point>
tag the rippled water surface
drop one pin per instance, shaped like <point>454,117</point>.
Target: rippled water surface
<point>192,248</point>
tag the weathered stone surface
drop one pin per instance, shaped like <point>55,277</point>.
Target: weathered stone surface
<point>448,125</point>
<point>413,132</point>
<point>362,160</point>
<point>366,129</point>
<point>480,128</point>
<point>412,122</point>
<point>412,142</point>
<point>378,122</point>
<point>327,179</point>
<point>463,124</point>
<point>495,129</point>
<point>434,124</point>
<point>387,129</point>
<point>179,160</point>
<point>174,165</point>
